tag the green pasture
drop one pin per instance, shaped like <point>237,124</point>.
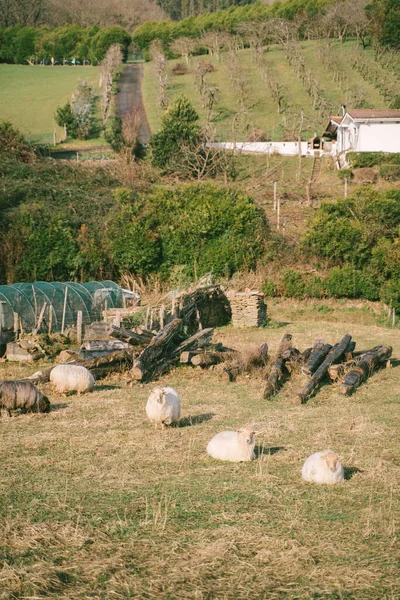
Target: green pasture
<point>261,110</point>
<point>29,96</point>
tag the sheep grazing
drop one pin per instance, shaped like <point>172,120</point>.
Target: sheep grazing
<point>71,378</point>
<point>23,395</point>
<point>163,406</point>
<point>235,446</point>
<point>323,467</point>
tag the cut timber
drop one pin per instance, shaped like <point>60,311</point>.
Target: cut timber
<point>133,338</point>
<point>360,373</point>
<point>158,356</point>
<point>275,378</point>
<point>207,359</point>
<point>186,356</point>
<point>279,371</point>
<point>334,356</point>
<point>318,354</point>
<point>198,340</point>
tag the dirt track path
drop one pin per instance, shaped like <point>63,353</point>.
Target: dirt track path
<point>130,96</point>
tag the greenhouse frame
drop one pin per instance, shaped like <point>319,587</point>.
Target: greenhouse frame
<point>52,307</point>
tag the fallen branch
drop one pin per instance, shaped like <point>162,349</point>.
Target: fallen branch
<point>334,356</point>
<point>364,368</point>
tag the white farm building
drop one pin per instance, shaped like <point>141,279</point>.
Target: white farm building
<point>362,130</point>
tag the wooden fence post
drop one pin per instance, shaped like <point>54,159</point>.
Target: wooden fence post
<point>16,325</point>
<point>275,193</point>
<point>64,310</point>
<point>345,187</point>
<point>79,328</point>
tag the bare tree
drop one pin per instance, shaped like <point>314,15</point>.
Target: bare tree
<point>214,42</point>
<point>126,13</point>
<point>184,46</point>
<point>257,34</point>
<point>109,67</point>
<point>160,63</point>
<point>24,12</point>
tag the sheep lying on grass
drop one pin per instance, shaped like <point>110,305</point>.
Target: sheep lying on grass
<point>23,395</point>
<point>71,378</point>
<point>323,467</point>
<point>163,406</point>
<point>235,446</point>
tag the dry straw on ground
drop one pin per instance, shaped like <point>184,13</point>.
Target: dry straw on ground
<point>96,504</point>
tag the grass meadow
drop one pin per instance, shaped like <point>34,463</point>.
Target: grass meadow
<point>261,110</point>
<point>30,95</point>
<point>97,504</point>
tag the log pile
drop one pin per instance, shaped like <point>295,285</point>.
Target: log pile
<point>248,309</point>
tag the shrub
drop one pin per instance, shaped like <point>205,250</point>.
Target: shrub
<point>13,144</point>
<point>342,282</point>
<point>371,159</point>
<point>179,126</point>
<point>180,69</point>
<point>390,172</point>
<point>293,284</point>
<point>314,286</point>
<point>269,288</point>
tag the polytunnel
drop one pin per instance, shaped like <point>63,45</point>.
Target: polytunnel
<point>54,306</point>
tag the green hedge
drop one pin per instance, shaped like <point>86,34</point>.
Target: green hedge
<point>20,44</point>
<point>370,159</point>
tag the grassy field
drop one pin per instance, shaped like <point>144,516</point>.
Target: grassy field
<point>97,504</point>
<point>262,111</point>
<point>29,97</point>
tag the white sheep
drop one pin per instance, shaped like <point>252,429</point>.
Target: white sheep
<point>323,467</point>
<point>71,378</point>
<point>163,406</point>
<point>235,446</point>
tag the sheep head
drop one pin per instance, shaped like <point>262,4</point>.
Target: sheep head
<point>159,394</point>
<point>331,460</point>
<point>246,434</point>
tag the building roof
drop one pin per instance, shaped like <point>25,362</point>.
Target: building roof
<point>336,120</point>
<point>373,113</point>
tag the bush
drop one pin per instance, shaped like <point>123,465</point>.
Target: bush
<point>390,172</point>
<point>293,284</point>
<point>269,288</point>
<point>342,282</point>
<point>13,144</point>
<point>179,126</point>
<point>347,282</point>
<point>180,69</point>
<point>360,160</point>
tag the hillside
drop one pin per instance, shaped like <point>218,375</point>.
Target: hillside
<point>248,93</point>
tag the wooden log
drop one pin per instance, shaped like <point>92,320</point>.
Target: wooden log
<point>135,339</point>
<point>360,373</point>
<point>207,359</point>
<point>317,356</point>
<point>151,360</point>
<point>275,378</point>
<point>335,354</point>
<point>186,356</point>
<point>200,339</point>
<point>279,371</point>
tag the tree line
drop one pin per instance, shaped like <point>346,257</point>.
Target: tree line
<point>314,19</point>
<point>19,45</point>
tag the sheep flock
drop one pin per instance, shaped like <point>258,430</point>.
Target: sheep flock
<point>163,408</point>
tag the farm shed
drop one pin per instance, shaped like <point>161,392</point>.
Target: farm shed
<point>54,306</point>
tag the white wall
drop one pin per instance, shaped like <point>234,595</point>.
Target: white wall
<point>284,148</point>
<point>379,137</point>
